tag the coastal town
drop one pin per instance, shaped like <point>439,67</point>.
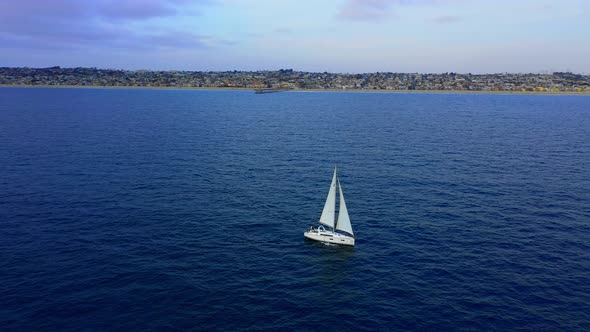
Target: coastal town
<point>297,80</point>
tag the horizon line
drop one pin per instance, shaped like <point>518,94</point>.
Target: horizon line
<point>303,71</point>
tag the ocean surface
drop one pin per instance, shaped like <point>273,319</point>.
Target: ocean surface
<point>131,209</point>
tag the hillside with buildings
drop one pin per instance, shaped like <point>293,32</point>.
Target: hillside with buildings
<point>290,79</point>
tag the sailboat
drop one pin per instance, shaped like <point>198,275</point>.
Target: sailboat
<point>338,231</point>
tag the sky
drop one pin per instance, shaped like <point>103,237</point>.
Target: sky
<point>342,36</point>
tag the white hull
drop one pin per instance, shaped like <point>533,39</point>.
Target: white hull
<point>329,237</point>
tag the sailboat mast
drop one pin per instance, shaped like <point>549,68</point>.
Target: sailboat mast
<point>337,182</point>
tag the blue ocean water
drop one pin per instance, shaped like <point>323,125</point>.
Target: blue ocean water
<point>130,209</point>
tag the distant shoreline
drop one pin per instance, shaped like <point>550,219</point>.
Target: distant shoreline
<point>304,90</point>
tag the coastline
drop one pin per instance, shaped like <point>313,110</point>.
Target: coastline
<point>451,92</point>
<point>574,93</point>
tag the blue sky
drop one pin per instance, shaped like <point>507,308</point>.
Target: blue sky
<point>347,36</point>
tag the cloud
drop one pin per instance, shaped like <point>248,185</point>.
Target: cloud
<point>376,10</point>
<point>103,9</point>
<point>365,10</point>
<point>72,24</point>
<point>135,9</point>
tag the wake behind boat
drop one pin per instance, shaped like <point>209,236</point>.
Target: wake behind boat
<point>328,218</point>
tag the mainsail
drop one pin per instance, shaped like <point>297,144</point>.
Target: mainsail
<point>343,219</point>
<point>329,212</point>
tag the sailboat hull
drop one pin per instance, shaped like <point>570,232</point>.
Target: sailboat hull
<point>329,237</point>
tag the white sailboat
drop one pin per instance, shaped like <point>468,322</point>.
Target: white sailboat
<point>328,218</point>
